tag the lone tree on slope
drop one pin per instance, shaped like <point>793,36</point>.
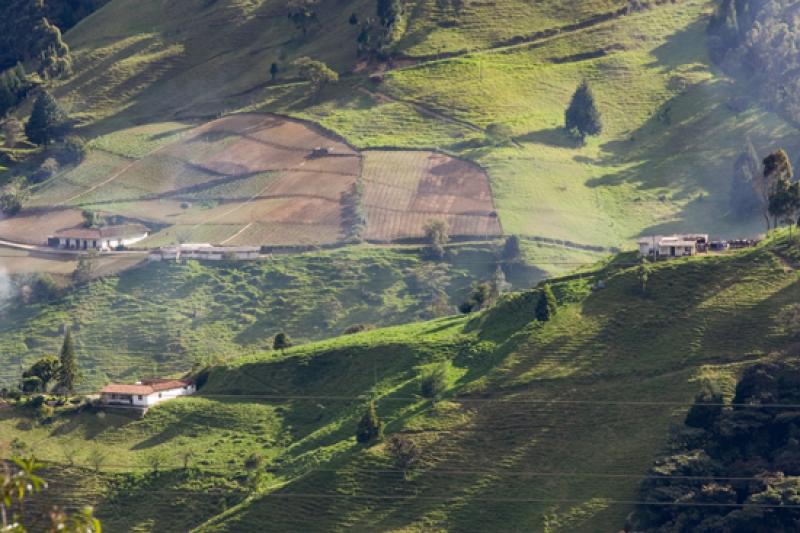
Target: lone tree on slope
<point>370,428</point>
<point>273,71</point>
<point>582,117</point>
<point>777,169</point>
<point>68,372</point>
<point>437,237</point>
<point>281,342</point>
<point>48,120</point>
<point>316,73</point>
<point>547,305</point>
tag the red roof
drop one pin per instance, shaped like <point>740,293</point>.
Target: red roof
<point>146,386</point>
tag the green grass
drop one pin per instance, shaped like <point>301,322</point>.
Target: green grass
<point>530,435</point>
<point>161,318</point>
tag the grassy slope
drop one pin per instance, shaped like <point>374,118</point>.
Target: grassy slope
<point>662,163</point>
<point>162,318</point>
<point>490,448</point>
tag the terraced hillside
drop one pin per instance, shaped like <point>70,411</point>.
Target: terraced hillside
<point>543,426</point>
<point>255,179</point>
<point>673,123</point>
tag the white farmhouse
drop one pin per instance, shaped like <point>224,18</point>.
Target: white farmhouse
<point>104,238</point>
<point>145,393</point>
<point>204,252</point>
<point>673,245</point>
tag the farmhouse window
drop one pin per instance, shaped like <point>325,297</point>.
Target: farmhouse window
<point>140,396</point>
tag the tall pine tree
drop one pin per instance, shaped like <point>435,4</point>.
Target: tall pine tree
<point>68,373</point>
<point>48,120</point>
<point>582,117</point>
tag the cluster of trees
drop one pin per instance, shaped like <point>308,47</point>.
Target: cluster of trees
<point>733,468</point>
<point>27,34</point>
<point>14,87</point>
<point>316,73</point>
<point>759,38</point>
<point>486,293</point>
<point>770,189</point>
<point>62,371</point>
<point>376,35</point>
<point>48,122</point>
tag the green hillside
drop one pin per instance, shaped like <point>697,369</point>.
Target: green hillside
<point>543,427</point>
<point>161,318</point>
<point>673,123</point>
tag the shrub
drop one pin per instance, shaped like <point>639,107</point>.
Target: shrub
<point>547,305</point>
<point>11,199</point>
<point>498,134</point>
<point>73,151</point>
<point>404,451</point>
<point>437,237</point>
<point>45,171</point>
<point>433,381</point>
<point>370,427</point>
<point>358,328</point>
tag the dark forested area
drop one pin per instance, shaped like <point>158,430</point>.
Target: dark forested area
<point>762,37</point>
<point>731,468</point>
<point>30,30</point>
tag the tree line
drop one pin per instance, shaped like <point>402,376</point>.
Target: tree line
<point>759,39</point>
<point>731,468</point>
<point>766,187</point>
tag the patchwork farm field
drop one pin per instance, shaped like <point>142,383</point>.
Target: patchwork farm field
<point>405,190</point>
<point>257,179</point>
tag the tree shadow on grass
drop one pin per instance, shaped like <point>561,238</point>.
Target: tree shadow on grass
<point>556,137</point>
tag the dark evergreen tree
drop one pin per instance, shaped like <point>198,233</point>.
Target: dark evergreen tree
<point>68,371</point>
<point>273,71</point>
<point>582,117</point>
<point>48,120</point>
<point>511,249</point>
<point>281,342</point>
<point>353,20</point>
<point>388,11</point>
<point>547,305</point>
<point>370,428</point>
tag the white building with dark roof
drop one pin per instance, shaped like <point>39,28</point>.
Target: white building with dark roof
<point>103,238</point>
<point>204,252</point>
<point>673,245</point>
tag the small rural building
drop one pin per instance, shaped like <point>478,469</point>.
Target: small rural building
<point>145,393</point>
<point>204,252</point>
<point>673,245</point>
<point>103,238</point>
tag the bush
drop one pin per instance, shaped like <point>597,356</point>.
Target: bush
<point>370,427</point>
<point>358,328</point>
<point>45,171</point>
<point>404,451</point>
<point>11,199</point>
<point>433,381</point>
<point>499,134</point>
<point>73,151</point>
